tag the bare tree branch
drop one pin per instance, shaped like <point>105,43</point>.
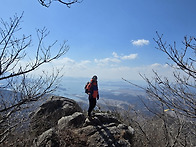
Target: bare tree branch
<point>68,3</point>
<point>19,89</point>
<point>178,94</point>
<point>186,64</point>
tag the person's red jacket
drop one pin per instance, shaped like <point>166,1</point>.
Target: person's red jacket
<point>93,89</point>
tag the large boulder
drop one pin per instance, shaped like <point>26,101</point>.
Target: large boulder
<point>51,111</point>
<point>47,138</point>
<point>60,122</point>
<point>75,120</point>
<point>106,130</point>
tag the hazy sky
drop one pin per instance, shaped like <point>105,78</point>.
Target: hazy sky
<point>110,38</point>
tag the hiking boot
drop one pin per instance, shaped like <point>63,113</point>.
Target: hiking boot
<point>93,113</point>
<point>89,114</point>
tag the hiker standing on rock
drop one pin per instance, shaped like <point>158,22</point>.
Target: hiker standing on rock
<point>92,91</point>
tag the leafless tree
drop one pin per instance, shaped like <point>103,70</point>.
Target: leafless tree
<point>178,95</point>
<point>68,3</point>
<point>19,87</point>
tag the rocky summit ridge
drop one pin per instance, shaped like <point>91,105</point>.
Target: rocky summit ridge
<point>60,122</point>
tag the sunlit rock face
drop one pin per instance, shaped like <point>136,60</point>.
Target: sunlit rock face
<point>61,122</point>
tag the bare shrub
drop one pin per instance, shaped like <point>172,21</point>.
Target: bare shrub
<point>175,127</point>
<point>19,89</point>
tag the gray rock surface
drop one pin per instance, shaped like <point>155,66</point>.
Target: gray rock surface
<point>71,128</point>
<point>46,139</point>
<point>75,120</point>
<point>105,130</point>
<point>51,111</point>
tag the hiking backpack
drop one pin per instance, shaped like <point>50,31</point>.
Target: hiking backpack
<point>86,87</point>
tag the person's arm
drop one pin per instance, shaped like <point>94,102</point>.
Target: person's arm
<point>89,89</point>
<point>97,92</point>
<point>98,96</point>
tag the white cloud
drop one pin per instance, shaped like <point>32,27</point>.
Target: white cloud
<point>155,65</point>
<point>129,57</point>
<point>115,55</point>
<point>67,62</point>
<point>115,59</point>
<point>106,68</point>
<point>107,61</point>
<point>140,42</point>
<point>131,73</point>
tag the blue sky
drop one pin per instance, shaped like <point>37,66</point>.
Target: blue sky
<point>110,38</point>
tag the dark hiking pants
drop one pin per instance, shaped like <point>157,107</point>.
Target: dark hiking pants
<point>92,104</point>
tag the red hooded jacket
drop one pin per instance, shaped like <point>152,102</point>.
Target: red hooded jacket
<point>93,88</point>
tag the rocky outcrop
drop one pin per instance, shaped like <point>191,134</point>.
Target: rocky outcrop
<point>105,130</point>
<point>73,128</point>
<point>76,120</point>
<point>50,112</point>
